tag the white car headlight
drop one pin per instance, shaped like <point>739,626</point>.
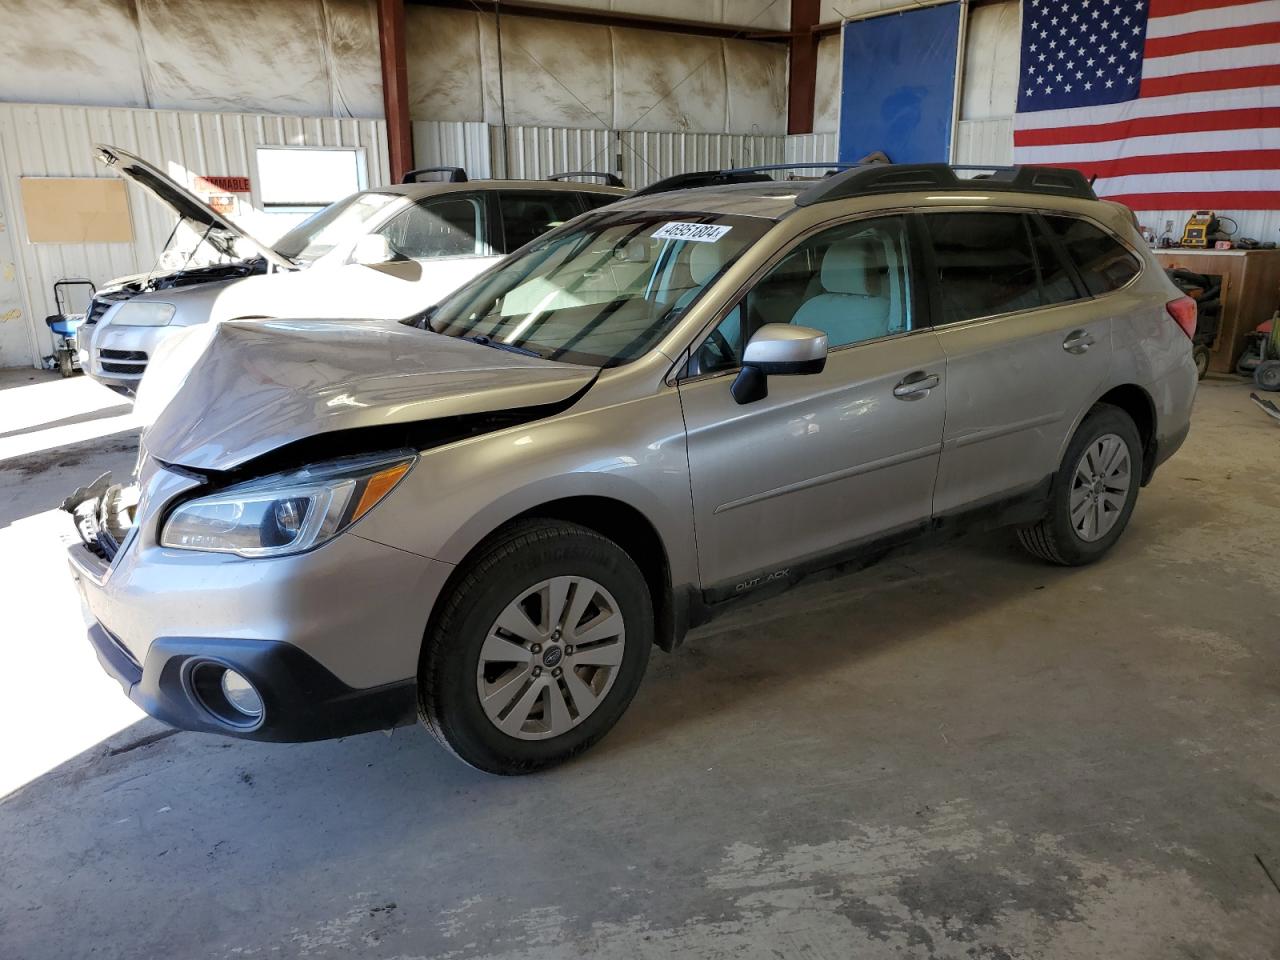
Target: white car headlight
<point>286,513</point>
<point>145,313</point>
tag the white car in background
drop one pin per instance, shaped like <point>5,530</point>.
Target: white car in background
<point>383,253</point>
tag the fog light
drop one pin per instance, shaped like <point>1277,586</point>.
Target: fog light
<point>241,695</point>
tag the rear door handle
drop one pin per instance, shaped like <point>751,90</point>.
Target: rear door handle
<point>1078,341</point>
<point>916,385</point>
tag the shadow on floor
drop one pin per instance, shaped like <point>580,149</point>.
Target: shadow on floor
<point>104,413</point>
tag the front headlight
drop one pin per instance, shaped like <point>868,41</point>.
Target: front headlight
<point>286,513</point>
<point>145,313</point>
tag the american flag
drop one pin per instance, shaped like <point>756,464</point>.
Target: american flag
<point>1172,104</point>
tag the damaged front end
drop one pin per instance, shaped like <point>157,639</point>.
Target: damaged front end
<point>104,514</point>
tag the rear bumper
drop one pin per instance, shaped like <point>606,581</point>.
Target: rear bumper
<point>301,699</point>
<point>1168,445</point>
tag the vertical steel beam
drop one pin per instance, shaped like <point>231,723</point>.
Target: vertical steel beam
<point>802,68</point>
<point>395,87</point>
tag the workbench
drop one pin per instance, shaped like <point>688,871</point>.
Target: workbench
<point>1250,293</point>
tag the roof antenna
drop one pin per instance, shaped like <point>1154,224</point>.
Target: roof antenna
<point>1092,178</point>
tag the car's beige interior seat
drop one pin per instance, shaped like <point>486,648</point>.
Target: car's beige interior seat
<point>854,304</point>
<point>704,264</point>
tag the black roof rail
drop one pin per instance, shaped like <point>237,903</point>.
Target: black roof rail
<point>874,178</point>
<point>702,178</point>
<point>456,174</point>
<point>756,174</point>
<point>766,167</point>
<point>610,179</point>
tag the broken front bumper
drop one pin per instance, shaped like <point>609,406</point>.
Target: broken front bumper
<point>329,639</point>
<point>104,515</point>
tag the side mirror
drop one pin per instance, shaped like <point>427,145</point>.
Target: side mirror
<point>372,249</point>
<point>778,349</point>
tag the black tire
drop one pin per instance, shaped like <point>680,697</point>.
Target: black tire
<point>1054,538</point>
<point>1200,354</point>
<point>513,561</point>
<point>1267,375</point>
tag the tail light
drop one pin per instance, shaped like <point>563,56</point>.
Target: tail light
<point>1183,311</point>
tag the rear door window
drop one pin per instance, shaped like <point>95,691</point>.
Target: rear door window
<point>528,214</point>
<point>984,264</point>
<point>1102,260</point>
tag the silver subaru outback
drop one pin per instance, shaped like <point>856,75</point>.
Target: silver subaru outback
<point>486,515</point>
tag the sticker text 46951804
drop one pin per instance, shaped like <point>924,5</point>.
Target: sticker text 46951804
<point>697,232</point>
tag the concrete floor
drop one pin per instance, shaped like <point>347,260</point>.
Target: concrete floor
<point>961,753</point>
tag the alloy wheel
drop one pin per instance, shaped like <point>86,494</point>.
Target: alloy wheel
<point>1100,487</point>
<point>550,658</point>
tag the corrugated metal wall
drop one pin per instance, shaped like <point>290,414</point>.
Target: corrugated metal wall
<point>449,144</point>
<point>537,152</point>
<point>984,141</point>
<point>56,141</point>
<point>650,156</point>
<point>812,148</point>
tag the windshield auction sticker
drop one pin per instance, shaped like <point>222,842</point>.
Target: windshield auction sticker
<point>697,232</point>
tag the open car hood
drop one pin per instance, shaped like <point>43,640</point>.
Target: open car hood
<point>222,232</point>
<point>261,385</point>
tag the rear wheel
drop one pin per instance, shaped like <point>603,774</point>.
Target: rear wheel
<point>1093,493</point>
<point>1267,375</point>
<point>1200,354</point>
<point>539,649</point>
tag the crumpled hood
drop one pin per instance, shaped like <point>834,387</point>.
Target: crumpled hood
<point>261,384</point>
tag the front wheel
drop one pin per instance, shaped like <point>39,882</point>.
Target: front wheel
<point>539,649</point>
<point>1093,492</point>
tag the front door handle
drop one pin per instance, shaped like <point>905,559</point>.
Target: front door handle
<point>1078,341</point>
<point>916,385</point>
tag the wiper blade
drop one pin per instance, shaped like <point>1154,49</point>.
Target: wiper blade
<point>484,341</point>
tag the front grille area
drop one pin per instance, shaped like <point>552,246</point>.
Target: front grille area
<point>127,362</point>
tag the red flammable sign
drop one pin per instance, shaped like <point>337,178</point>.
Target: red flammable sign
<point>222,184</point>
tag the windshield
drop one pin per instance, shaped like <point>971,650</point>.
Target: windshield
<point>325,229</point>
<point>603,292</point>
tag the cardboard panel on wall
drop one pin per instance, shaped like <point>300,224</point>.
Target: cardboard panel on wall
<point>76,210</point>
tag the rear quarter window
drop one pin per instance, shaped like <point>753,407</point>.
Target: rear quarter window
<point>1102,261</point>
